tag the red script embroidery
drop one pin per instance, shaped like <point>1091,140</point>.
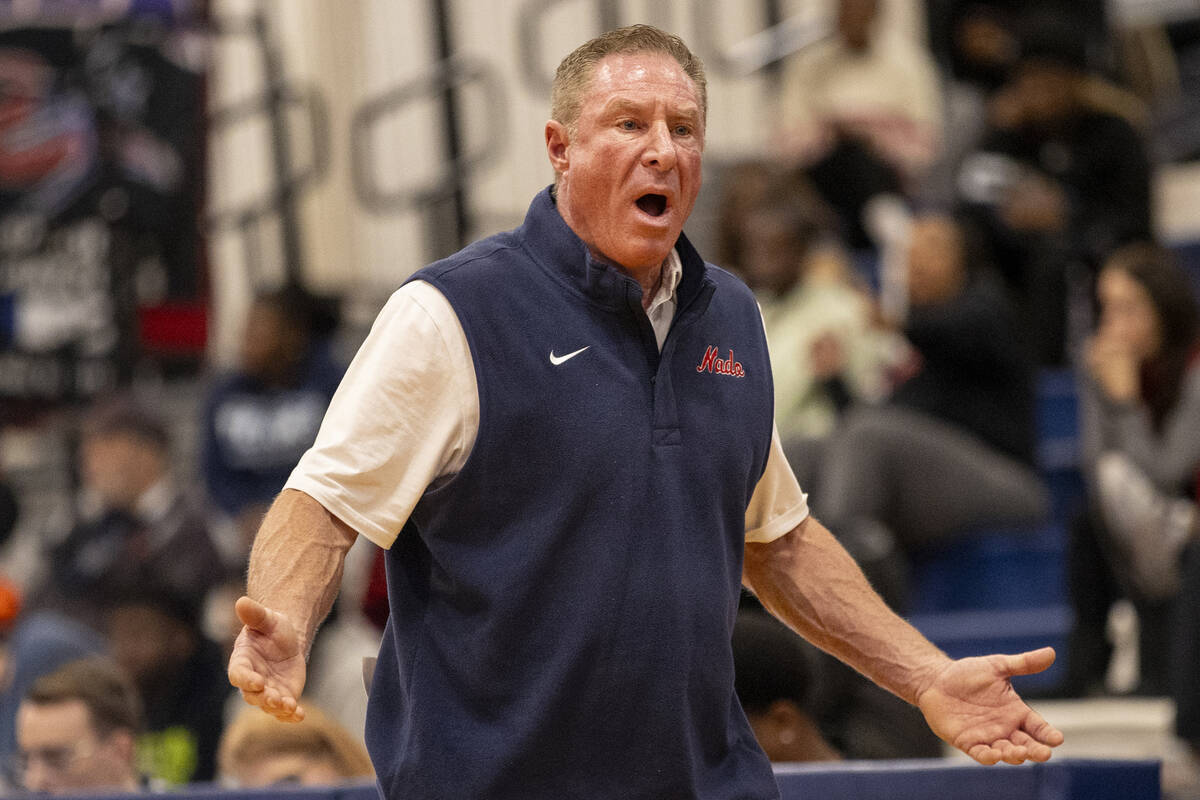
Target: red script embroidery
<point>720,366</point>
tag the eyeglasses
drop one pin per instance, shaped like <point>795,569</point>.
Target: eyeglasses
<point>52,759</point>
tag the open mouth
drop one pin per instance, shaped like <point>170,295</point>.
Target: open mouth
<point>653,204</point>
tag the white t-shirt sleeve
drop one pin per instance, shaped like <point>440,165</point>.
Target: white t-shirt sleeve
<point>405,415</point>
<point>778,504</point>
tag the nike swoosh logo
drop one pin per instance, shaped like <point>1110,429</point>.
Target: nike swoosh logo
<point>556,360</point>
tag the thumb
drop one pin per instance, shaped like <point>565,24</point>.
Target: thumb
<point>254,615</point>
<point>1028,663</point>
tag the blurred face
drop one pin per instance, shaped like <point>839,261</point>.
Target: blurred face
<point>630,173</point>
<point>265,341</point>
<point>935,260</point>
<point>983,41</point>
<point>856,19</point>
<point>147,643</point>
<point>773,255</point>
<point>59,752</point>
<point>302,769</point>
<point>1127,313</point>
<point>119,467</point>
<point>1047,91</point>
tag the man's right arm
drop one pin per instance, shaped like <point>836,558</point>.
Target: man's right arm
<point>295,571</point>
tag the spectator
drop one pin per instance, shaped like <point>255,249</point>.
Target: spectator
<point>979,47</point>
<point>76,731</point>
<point>1057,182</point>
<point>139,529</point>
<point>805,705</point>
<point>952,447</point>
<point>773,670</point>
<point>180,675</point>
<point>258,750</point>
<point>1140,403</point>
<point>826,350</point>
<point>40,643</point>
<point>974,40</point>
<point>260,419</point>
<point>861,112</point>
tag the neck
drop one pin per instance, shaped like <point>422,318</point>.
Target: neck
<point>650,281</point>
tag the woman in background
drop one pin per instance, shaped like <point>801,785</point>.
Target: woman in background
<point>1140,406</point>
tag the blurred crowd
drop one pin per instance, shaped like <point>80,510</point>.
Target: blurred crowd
<point>936,222</point>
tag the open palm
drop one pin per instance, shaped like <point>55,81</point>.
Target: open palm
<point>973,706</point>
<point>267,663</point>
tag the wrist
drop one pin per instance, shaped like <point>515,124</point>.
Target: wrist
<point>926,676</point>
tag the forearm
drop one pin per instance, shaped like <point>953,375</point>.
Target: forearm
<point>297,560</point>
<point>809,581</point>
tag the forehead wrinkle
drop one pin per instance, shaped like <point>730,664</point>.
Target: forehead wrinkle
<point>623,102</point>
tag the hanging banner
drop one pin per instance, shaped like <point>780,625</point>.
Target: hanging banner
<point>101,173</point>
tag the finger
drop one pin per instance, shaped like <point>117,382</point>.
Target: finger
<point>1013,753</point>
<point>1040,753</point>
<point>297,715</point>
<point>256,699</point>
<point>1037,727</point>
<point>1028,663</point>
<point>292,713</point>
<point>984,755</point>
<point>1021,739</point>
<point>242,675</point>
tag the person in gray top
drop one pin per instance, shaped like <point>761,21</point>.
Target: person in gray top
<point>1140,423</point>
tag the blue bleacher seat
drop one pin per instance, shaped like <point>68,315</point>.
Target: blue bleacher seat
<point>1004,589</point>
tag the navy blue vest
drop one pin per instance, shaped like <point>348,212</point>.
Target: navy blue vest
<point>562,608</point>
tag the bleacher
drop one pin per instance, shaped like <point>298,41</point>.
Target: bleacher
<point>1004,589</point>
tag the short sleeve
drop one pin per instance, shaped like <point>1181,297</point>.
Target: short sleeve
<point>778,504</point>
<point>405,415</point>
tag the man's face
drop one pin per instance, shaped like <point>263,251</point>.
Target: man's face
<point>935,262</point>
<point>1047,91</point>
<point>61,753</point>
<point>855,22</point>
<point>629,175</point>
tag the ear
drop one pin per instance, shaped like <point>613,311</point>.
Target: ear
<point>558,144</point>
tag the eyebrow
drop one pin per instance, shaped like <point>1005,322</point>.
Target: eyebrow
<point>619,105</point>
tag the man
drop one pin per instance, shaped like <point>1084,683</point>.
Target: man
<point>261,417</point>
<point>861,113</point>
<point>1058,182</point>
<point>139,528</point>
<point>156,637</point>
<point>572,424</point>
<point>76,730</point>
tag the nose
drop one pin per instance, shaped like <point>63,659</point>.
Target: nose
<point>660,148</point>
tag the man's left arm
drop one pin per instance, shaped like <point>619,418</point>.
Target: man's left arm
<point>811,583</point>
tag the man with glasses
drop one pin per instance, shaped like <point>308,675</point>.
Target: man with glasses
<point>76,731</point>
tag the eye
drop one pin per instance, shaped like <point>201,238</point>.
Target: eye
<point>683,130</point>
<point>627,125</point>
